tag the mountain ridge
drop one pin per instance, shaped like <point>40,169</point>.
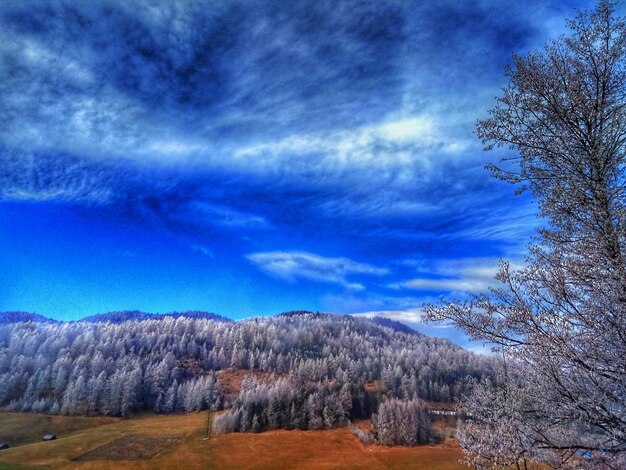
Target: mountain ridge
<point>23,317</point>
<point>112,317</point>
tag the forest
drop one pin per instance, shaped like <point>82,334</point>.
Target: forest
<point>317,367</point>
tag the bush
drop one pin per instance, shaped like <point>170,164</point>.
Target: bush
<point>363,436</point>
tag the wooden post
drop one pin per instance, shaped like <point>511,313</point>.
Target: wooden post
<point>209,418</point>
<point>209,424</point>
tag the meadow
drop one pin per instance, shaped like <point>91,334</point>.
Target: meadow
<point>177,441</point>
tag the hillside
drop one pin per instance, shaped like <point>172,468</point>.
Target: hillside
<point>316,365</point>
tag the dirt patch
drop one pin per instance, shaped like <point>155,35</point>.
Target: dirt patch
<point>374,385</point>
<point>230,380</point>
<point>440,406</point>
<point>129,448</point>
<point>192,366</point>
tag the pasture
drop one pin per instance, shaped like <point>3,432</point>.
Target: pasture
<point>176,441</point>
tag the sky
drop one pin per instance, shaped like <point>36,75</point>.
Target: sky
<point>253,157</point>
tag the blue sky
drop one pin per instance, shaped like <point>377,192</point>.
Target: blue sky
<point>251,157</point>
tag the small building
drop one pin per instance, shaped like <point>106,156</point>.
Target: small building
<point>48,437</point>
<point>4,445</point>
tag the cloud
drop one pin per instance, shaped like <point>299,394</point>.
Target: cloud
<point>36,178</point>
<point>362,145</point>
<point>296,265</point>
<point>179,78</point>
<point>409,316</point>
<point>203,249</point>
<point>482,349</point>
<point>414,318</point>
<point>458,276</point>
<point>413,315</point>
<point>512,225</point>
<point>472,284</point>
<point>297,93</point>
<point>224,215</point>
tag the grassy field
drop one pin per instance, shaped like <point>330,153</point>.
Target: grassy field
<point>183,447</point>
<point>24,428</point>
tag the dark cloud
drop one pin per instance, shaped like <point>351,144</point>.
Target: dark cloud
<point>222,68</point>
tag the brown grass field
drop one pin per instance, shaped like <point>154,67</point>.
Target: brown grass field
<point>24,428</point>
<point>179,444</point>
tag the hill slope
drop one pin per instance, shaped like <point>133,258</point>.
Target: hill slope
<point>129,363</point>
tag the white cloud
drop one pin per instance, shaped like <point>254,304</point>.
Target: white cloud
<point>482,349</point>
<point>461,275</point>
<point>172,147</point>
<point>409,315</point>
<point>226,216</point>
<point>471,284</point>
<point>414,129</point>
<point>38,55</point>
<point>412,315</point>
<point>381,144</point>
<point>294,265</point>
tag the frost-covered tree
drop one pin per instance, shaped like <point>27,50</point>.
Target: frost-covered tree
<point>560,322</point>
<point>168,365</point>
<point>400,422</point>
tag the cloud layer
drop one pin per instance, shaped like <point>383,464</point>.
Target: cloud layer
<point>461,275</point>
<point>271,137</point>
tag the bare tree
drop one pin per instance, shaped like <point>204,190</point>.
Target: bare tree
<point>560,322</point>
